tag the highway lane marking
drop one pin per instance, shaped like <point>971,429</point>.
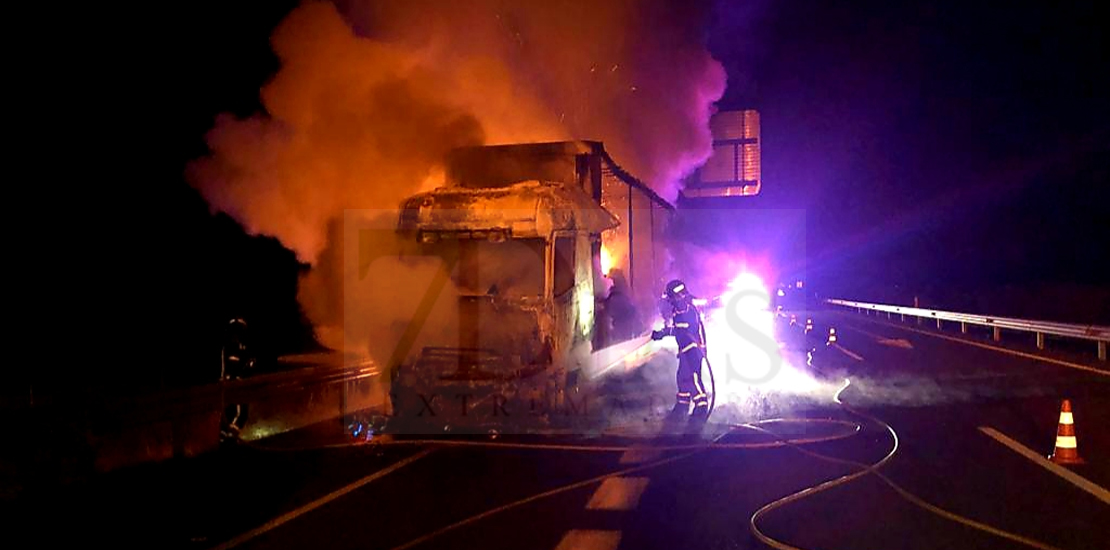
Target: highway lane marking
<point>867,333</point>
<point>1070,476</point>
<point>1001,350</point>
<point>618,493</point>
<point>639,454</point>
<point>558,490</point>
<point>893,342</point>
<point>290,516</point>
<point>848,352</point>
<point>694,449</point>
<point>588,539</point>
<point>872,469</point>
<point>897,343</point>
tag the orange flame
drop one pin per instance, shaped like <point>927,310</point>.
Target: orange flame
<point>606,260</point>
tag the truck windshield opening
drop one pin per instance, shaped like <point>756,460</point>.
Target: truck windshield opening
<point>510,269</point>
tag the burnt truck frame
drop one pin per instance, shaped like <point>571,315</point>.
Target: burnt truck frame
<point>543,204</point>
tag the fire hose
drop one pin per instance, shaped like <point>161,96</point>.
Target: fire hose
<point>689,450</point>
<point>712,381</point>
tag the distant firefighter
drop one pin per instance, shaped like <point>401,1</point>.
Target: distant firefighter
<point>621,311</point>
<point>236,357</point>
<point>235,361</point>
<point>687,329</point>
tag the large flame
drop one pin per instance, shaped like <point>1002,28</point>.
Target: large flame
<point>606,260</point>
<point>370,95</point>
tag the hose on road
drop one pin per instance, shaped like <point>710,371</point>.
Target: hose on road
<point>688,450</point>
<point>869,469</point>
<point>692,450</point>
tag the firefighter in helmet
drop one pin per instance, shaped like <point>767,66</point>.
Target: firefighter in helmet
<point>236,357</point>
<point>236,361</point>
<point>686,327</point>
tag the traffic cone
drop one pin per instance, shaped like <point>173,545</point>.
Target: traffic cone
<point>1066,451</point>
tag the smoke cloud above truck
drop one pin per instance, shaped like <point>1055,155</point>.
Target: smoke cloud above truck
<point>370,96</point>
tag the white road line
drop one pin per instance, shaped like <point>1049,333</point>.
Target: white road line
<point>895,342</point>
<point>639,454</point>
<point>583,539</point>
<point>618,493</point>
<point>1073,478</point>
<point>848,352</point>
<point>290,516</point>
<point>867,333</point>
<point>1000,350</point>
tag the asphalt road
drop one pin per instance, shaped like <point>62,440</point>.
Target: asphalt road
<point>953,482</point>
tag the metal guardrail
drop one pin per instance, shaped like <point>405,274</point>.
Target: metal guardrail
<point>298,376</point>
<point>1099,334</point>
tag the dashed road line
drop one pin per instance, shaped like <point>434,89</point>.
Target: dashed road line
<point>848,352</point>
<point>584,539</point>
<point>615,494</point>
<point>1068,475</point>
<point>639,454</point>
<point>618,493</point>
<point>867,333</point>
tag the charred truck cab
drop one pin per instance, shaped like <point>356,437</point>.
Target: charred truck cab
<point>520,229</point>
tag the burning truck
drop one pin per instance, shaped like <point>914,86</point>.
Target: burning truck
<point>537,239</point>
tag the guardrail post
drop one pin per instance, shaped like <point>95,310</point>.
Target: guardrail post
<point>1041,330</point>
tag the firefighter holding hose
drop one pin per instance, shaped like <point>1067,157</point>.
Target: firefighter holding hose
<point>687,329</point>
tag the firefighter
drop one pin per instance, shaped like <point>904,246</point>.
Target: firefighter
<point>686,327</point>
<point>236,360</point>
<point>626,322</point>
<point>236,357</point>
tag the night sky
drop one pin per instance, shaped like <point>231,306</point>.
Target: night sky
<point>950,149</point>
<point>937,149</point>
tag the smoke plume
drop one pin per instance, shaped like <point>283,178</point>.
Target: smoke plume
<point>371,95</point>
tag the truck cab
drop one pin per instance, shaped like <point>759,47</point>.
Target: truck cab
<point>528,233</point>
<point>520,260</point>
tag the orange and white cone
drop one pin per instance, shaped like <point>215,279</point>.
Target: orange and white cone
<point>1066,451</point>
